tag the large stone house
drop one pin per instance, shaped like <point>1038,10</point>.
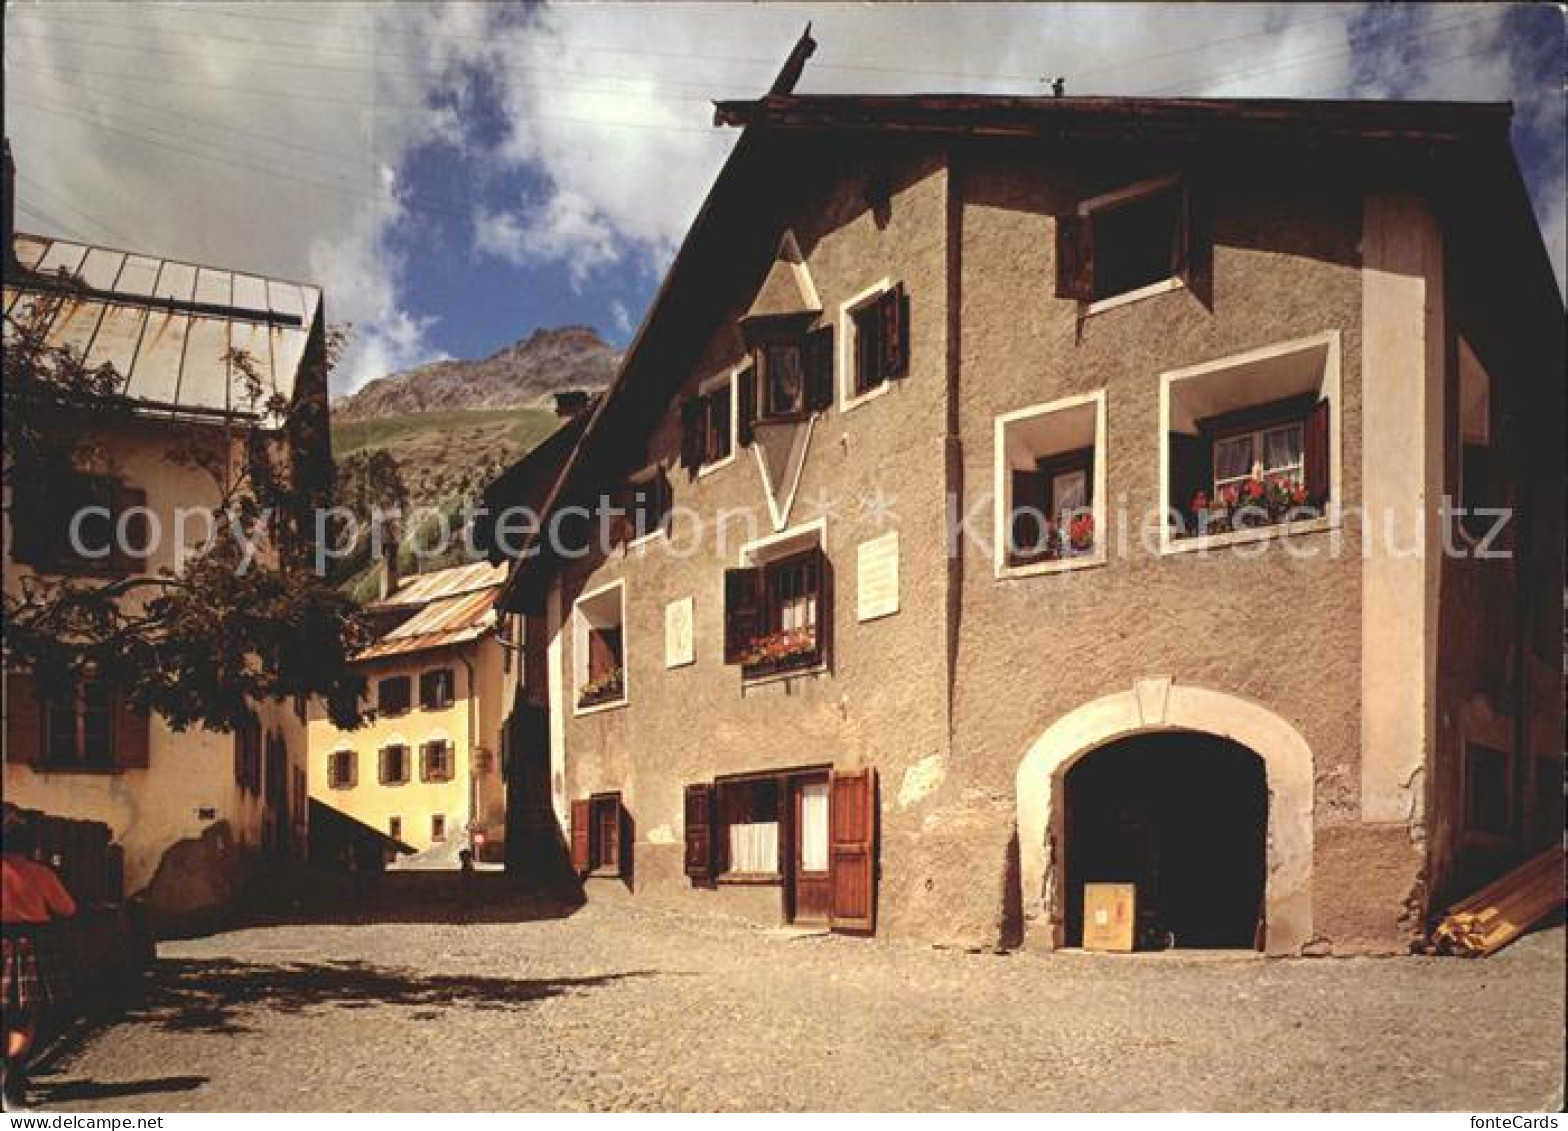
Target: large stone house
<point>1024,493</point>
<point>192,811</point>
<point>425,769</point>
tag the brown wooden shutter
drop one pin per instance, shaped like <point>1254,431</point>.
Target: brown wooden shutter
<point>699,832</point>
<point>625,836</point>
<point>122,558</point>
<point>1315,454</point>
<point>1191,469</point>
<point>426,770</point>
<point>742,611</point>
<point>352,761</point>
<point>746,406</point>
<point>24,719</point>
<point>582,813</point>
<point>822,575</point>
<point>819,369</point>
<point>132,736</point>
<point>852,851</point>
<point>1029,507</point>
<point>693,440</point>
<point>894,313</point>
<point>383,765</point>
<point>1074,258</point>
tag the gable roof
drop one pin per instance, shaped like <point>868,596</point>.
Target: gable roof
<point>729,239</point>
<point>449,606</point>
<point>164,325</point>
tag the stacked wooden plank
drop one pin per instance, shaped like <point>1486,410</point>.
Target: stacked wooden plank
<point>1503,910</point>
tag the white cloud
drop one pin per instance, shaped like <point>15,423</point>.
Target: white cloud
<point>620,317</point>
<point>263,136</point>
<point>180,130</point>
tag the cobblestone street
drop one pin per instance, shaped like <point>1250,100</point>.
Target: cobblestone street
<point>622,1008</point>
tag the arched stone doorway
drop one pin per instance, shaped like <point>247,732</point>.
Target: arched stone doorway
<point>1151,707</point>
<point>1182,816</point>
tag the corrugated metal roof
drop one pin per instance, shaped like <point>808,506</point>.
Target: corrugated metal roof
<point>422,587</point>
<point>450,620</point>
<point>165,326</point>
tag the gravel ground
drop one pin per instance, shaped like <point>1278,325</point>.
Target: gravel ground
<point>617,1008</point>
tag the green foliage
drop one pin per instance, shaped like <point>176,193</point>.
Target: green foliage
<point>232,627</point>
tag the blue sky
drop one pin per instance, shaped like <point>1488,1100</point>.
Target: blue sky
<point>457,175</point>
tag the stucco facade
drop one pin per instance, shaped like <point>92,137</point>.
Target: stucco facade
<point>1321,648</point>
<point>471,797</point>
<point>185,813</point>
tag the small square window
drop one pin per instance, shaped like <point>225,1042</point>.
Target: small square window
<point>393,695</point>
<point>394,764</point>
<point>437,689</point>
<point>438,826</point>
<point>599,649</point>
<point>1047,470</point>
<point>1139,241</point>
<point>395,828</point>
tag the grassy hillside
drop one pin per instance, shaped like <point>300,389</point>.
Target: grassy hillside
<point>444,457</point>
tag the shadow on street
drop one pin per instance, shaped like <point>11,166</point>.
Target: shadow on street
<point>212,996</point>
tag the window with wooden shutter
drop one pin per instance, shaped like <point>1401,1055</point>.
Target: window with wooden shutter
<point>895,333</point>
<point>394,764</point>
<point>1316,445</point>
<point>692,438</point>
<point>746,410</point>
<point>743,611</point>
<point>819,352</point>
<point>608,846</point>
<point>393,696</point>
<point>852,854</point>
<point>436,761</point>
<point>719,414</point>
<point>582,854</point>
<point>437,689</point>
<point>24,723</point>
<point>647,503</point>
<point>699,833</point>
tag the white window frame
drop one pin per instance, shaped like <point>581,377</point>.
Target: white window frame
<point>771,547</point>
<point>1330,387</point>
<point>844,353</point>
<point>729,377</point>
<point>1003,489</point>
<point>580,628</point>
<point>1107,202</point>
<point>652,471</point>
<point>1257,438</point>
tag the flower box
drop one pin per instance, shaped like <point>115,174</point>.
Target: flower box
<point>781,652</point>
<point>606,688</point>
<point>1247,506</point>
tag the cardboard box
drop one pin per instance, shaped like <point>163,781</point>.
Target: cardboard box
<point>1109,912</point>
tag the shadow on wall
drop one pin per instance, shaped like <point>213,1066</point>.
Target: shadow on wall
<point>215,996</point>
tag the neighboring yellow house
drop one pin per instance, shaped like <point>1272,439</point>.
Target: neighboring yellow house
<point>425,770</point>
<point>191,812</point>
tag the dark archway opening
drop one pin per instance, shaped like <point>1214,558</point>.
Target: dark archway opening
<point>1182,816</point>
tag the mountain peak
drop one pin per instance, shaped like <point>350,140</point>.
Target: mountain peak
<point>526,372</point>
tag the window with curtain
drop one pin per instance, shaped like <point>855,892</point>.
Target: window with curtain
<point>749,810</point>
<point>814,827</point>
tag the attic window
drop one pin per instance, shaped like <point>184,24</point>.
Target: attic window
<point>1125,244</point>
<point>876,341</point>
<point>791,376</point>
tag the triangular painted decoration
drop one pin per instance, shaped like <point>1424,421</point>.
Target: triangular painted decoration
<point>781,456</point>
<point>788,291</point>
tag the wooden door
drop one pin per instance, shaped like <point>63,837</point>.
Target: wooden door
<point>809,802</point>
<point>852,851</point>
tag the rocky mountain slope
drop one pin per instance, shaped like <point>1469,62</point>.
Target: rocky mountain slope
<point>525,373</point>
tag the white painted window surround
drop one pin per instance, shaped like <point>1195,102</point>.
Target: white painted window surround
<point>604,607</point>
<point>1107,202</point>
<point>726,378</point>
<point>1027,435</point>
<point>1255,377</point>
<point>845,353</point>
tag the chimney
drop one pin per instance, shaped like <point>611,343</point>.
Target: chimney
<point>8,249</point>
<point>389,578</point>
